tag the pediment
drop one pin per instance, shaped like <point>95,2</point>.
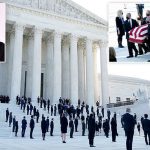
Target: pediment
<point>61,7</point>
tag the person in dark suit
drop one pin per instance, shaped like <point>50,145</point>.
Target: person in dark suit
<point>91,130</point>
<point>14,123</point>
<point>51,127</point>
<point>106,127</point>
<point>114,129</point>
<point>129,25</point>
<point>83,128</point>
<point>7,114</point>
<point>43,127</point>
<point>142,46</point>
<point>32,124</point>
<point>76,124</point>
<point>120,27</point>
<point>128,125</point>
<point>146,128</point>
<point>2,51</point>
<point>16,128</point>
<point>10,119</point>
<point>47,124</point>
<point>24,125</point>
<point>71,125</point>
<point>64,124</point>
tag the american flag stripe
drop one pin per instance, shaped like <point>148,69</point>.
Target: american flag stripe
<point>138,34</point>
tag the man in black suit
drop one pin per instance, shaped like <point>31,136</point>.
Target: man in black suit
<point>128,125</point>
<point>2,51</point>
<point>146,128</point>
<point>120,27</point>
<point>129,25</point>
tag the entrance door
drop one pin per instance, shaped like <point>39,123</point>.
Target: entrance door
<point>42,84</point>
<point>25,83</point>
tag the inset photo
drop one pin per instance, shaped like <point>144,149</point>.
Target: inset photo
<point>2,32</point>
<point>129,32</point>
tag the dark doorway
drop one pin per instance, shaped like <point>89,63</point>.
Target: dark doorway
<point>42,84</point>
<point>25,83</point>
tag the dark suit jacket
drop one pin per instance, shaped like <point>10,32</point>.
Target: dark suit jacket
<point>143,21</point>
<point>2,51</point>
<point>128,122</point>
<point>120,25</point>
<point>128,27</point>
<point>146,125</point>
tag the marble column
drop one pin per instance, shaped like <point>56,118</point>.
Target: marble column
<point>84,64</point>
<point>49,67</point>
<point>89,73</point>
<point>81,77</point>
<point>17,61</point>
<point>65,68</point>
<point>36,70</point>
<point>10,61</point>
<point>73,70</point>
<point>96,98</point>
<point>57,67</point>
<point>29,65</point>
<point>104,73</point>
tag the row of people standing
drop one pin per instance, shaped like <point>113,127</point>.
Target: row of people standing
<point>4,99</point>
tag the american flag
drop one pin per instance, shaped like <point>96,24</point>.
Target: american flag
<point>138,34</point>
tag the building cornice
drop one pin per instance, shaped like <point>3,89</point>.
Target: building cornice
<point>49,14</point>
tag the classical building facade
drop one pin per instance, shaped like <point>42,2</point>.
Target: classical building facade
<point>128,88</point>
<point>51,50</point>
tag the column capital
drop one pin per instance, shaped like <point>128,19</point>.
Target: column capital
<point>103,44</point>
<point>19,26</point>
<point>65,40</point>
<point>30,35</point>
<point>57,34</point>
<point>50,38</point>
<point>88,39</point>
<point>38,30</point>
<point>74,36</point>
<point>81,44</point>
<point>95,46</point>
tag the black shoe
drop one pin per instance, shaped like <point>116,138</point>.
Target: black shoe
<point>121,46</point>
<point>136,54</point>
<point>140,54</point>
<point>64,142</point>
<point>129,56</point>
<point>92,146</point>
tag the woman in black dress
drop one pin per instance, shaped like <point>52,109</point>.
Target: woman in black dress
<point>64,124</point>
<point>120,27</point>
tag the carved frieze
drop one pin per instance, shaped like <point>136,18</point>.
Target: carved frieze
<point>60,7</point>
